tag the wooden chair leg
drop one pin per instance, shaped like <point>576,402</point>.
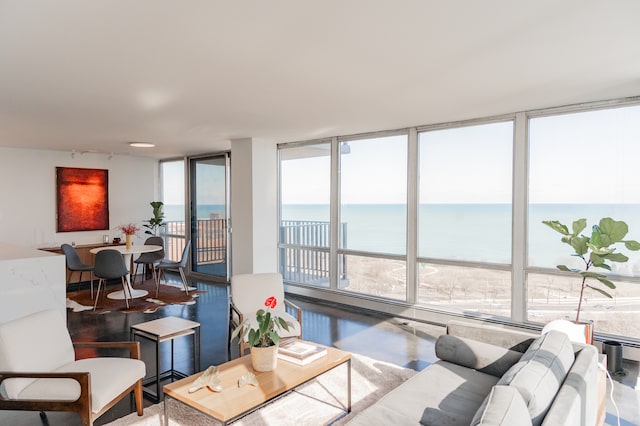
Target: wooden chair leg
<point>137,391</point>
<point>156,279</point>
<point>95,303</point>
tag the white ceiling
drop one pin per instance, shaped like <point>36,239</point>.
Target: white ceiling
<point>191,75</point>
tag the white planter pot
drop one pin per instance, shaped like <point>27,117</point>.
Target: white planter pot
<point>581,332</point>
<point>264,359</point>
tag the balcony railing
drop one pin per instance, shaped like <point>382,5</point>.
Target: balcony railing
<point>304,251</point>
<point>304,247</point>
<point>209,247</point>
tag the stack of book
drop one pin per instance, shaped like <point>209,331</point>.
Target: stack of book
<point>300,352</point>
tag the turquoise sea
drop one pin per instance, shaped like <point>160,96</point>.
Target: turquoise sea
<point>472,232</point>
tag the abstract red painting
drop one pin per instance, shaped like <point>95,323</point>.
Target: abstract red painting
<point>82,197</point>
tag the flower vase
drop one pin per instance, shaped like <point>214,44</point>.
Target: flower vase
<point>128,241</point>
<point>264,359</point>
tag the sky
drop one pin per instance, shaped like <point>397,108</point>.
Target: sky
<point>586,157</point>
<point>578,158</point>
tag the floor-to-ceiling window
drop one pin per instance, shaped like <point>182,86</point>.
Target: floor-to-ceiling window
<point>448,217</point>
<point>173,197</point>
<point>583,165</point>
<point>373,215</point>
<point>305,184</point>
<point>465,191</point>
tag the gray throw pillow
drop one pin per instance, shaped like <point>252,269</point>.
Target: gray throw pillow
<point>503,406</point>
<point>484,357</point>
<point>540,372</point>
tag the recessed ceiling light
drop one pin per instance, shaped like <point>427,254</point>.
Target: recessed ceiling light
<point>141,144</point>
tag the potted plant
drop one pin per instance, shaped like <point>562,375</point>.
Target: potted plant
<point>129,230</point>
<point>595,251</point>
<point>154,224</point>
<point>263,340</point>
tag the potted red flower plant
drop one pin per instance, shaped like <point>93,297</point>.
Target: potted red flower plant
<point>264,339</point>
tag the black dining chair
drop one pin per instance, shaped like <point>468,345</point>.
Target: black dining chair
<point>110,265</point>
<point>150,259</point>
<point>75,264</point>
<point>173,264</point>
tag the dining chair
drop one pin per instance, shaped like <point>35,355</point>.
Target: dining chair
<point>150,259</point>
<point>173,264</point>
<point>39,370</point>
<point>110,265</point>
<point>249,293</point>
<point>75,264</point>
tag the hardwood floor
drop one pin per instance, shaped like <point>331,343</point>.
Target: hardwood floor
<point>405,343</point>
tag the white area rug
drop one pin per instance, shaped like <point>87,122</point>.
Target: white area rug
<point>318,402</point>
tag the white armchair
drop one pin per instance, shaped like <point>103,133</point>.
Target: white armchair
<point>248,294</point>
<point>39,372</point>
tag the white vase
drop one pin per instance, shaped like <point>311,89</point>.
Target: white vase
<point>264,359</point>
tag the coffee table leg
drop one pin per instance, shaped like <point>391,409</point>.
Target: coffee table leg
<point>349,386</point>
<point>166,411</point>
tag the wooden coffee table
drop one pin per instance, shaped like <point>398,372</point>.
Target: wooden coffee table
<point>235,402</point>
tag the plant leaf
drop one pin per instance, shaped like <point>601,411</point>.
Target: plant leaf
<point>632,245</point>
<point>596,238</point>
<point>606,282</point>
<point>274,337</point>
<point>616,257</point>
<point>578,226</point>
<point>556,226</point>
<point>564,268</point>
<point>579,244</point>
<point>604,293</point>
<point>254,337</point>
<point>616,230</point>
<point>591,274</point>
<point>283,324</point>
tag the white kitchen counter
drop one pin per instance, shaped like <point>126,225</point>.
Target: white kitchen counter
<point>31,280</point>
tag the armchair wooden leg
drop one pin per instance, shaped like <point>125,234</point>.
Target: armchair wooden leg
<point>137,391</point>
<point>85,415</point>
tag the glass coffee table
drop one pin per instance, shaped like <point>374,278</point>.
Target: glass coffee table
<point>235,402</point>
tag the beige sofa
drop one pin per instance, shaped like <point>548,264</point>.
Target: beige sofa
<point>487,375</point>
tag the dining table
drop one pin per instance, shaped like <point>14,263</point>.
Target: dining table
<point>127,254</point>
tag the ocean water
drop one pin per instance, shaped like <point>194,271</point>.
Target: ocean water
<point>472,232</point>
<point>468,232</point>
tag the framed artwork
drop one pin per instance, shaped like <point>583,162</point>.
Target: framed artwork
<point>82,199</point>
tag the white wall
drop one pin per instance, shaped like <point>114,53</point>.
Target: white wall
<point>28,202</point>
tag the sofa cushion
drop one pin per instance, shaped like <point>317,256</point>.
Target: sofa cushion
<point>481,332</point>
<point>20,351</point>
<point>577,401</point>
<point>443,394</point>
<point>503,406</point>
<point>484,357</point>
<point>540,372</point>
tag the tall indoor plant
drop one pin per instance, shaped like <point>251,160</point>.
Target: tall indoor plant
<point>595,251</point>
<point>156,221</point>
<point>264,339</point>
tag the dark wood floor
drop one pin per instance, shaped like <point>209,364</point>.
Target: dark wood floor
<point>404,343</point>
